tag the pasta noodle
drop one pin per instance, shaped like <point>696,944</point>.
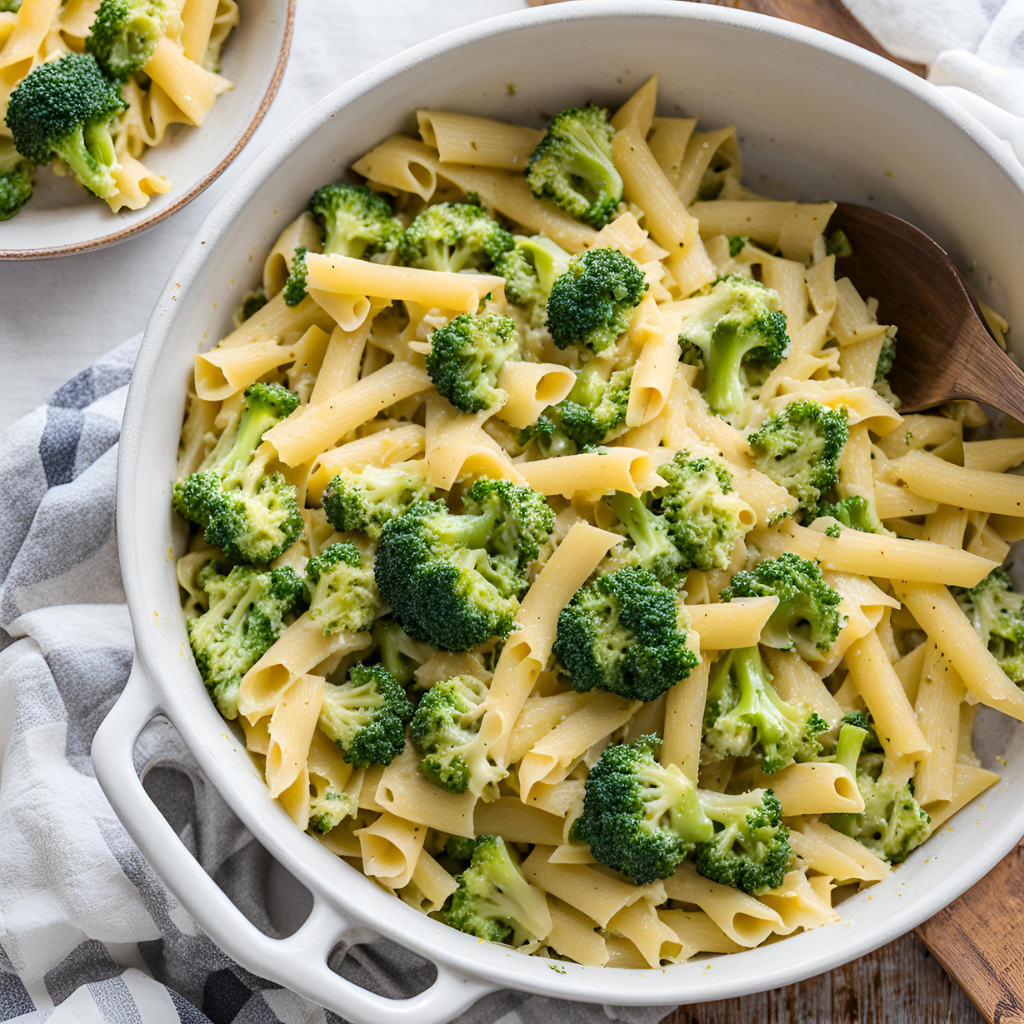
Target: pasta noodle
<point>538,588</point>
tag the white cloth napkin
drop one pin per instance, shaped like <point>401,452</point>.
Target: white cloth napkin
<point>974,51</point>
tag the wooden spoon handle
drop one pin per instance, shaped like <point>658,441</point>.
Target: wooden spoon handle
<point>989,375</point>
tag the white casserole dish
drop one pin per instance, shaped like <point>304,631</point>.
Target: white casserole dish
<point>819,119</point>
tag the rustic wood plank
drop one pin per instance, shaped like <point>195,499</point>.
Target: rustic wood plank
<point>979,940</point>
<point>898,984</point>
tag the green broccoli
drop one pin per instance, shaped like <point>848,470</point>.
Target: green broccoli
<point>328,808</point>
<point>454,580</point>
<point>573,166</point>
<point>366,499</point>
<point>356,222</point>
<point>250,514</point>
<point>693,522</point>
<point>251,304</point>
<point>466,356</point>
<point>295,286</point>
<point>530,270</point>
<point>807,617</point>
<point>550,437</point>
<point>650,543</point>
<point>750,848</point>
<point>737,243</point>
<point>341,590</point>
<point>591,304</point>
<point>640,818</point>
<point>446,731</point>
<point>12,6</point>
<point>245,616</point>
<point>705,514</point>
<point>996,611</point>
<point>854,512</point>
<point>595,410</point>
<point>800,448</point>
<point>454,237</point>
<point>365,716</point>
<point>738,330</point>
<point>387,635</point>
<point>17,180</point>
<point>838,244</point>
<point>493,900</point>
<point>892,823</point>
<point>886,359</point>
<point>745,717</point>
<point>64,109</point>
<point>124,35</point>
<point>621,633</point>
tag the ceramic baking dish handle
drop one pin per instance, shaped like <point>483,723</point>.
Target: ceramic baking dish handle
<point>298,962</point>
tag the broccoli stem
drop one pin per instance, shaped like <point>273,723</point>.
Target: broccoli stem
<point>847,753</point>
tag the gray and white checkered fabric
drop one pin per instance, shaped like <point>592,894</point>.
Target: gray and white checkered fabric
<point>87,930</point>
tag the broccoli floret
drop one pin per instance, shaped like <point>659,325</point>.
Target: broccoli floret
<point>996,611</point>
<point>886,358</point>
<point>621,633</point>
<point>552,440</point>
<point>591,304</point>
<point>366,499</point>
<point>460,849</point>
<point>702,509</point>
<point>245,616</point>
<point>838,244</point>
<point>745,717</point>
<point>892,823</point>
<point>639,817</point>
<point>807,618</point>
<point>800,448</point>
<point>750,848</point>
<point>454,237</point>
<point>250,514</point>
<point>64,109</point>
<point>530,270</point>
<point>454,580</point>
<point>124,35</point>
<point>341,590</point>
<point>595,409</point>
<point>446,731</point>
<point>466,356</point>
<point>854,512</point>
<point>328,808</point>
<point>737,244</point>
<point>650,545</point>
<point>494,901</point>
<point>365,716</point>
<point>295,286</point>
<point>387,636</point>
<point>573,167</point>
<point>356,222</point>
<point>12,6</point>
<point>251,304</point>
<point>17,180</point>
<point>738,327</point>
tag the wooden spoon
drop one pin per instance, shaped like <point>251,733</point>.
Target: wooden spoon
<point>943,349</point>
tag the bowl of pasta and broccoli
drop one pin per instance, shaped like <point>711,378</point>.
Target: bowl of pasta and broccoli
<point>116,113</point>
<point>525,533</point>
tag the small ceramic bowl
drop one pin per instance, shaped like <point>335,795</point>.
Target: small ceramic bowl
<point>62,218</point>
